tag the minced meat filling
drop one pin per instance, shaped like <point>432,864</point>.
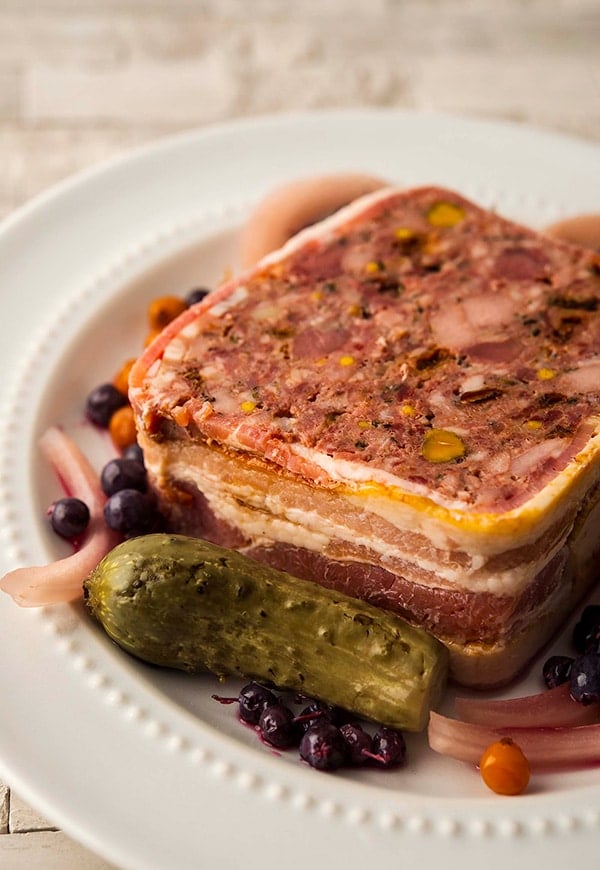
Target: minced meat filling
<point>425,337</point>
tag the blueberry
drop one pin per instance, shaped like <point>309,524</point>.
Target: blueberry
<point>130,512</point>
<point>556,670</point>
<point>134,451</point>
<point>340,716</point>
<point>120,474</point>
<point>590,614</point>
<point>586,633</point>
<point>389,746</point>
<point>321,711</point>
<point>358,742</point>
<point>102,403</point>
<point>316,711</point>
<point>277,726</point>
<point>252,700</point>
<point>196,295</point>
<point>69,517</point>
<point>323,747</point>
<point>585,678</point>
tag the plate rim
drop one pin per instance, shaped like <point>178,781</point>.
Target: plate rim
<point>187,138</point>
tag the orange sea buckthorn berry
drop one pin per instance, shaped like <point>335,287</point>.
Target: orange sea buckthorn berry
<point>504,767</point>
<point>163,310</point>
<point>121,428</point>
<point>121,379</point>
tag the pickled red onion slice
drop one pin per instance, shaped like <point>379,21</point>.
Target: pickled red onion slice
<point>61,581</point>
<point>582,229</point>
<point>545,748</point>
<point>296,205</point>
<point>552,708</point>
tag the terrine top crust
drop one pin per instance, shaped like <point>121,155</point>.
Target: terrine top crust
<point>413,344</point>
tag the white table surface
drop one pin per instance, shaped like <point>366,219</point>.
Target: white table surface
<point>83,80</point>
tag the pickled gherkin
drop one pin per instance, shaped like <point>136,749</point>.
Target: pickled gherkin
<point>188,604</point>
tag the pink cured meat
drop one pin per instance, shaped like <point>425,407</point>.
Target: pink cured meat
<point>288,415</point>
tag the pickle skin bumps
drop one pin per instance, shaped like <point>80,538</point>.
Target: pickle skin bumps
<point>188,604</point>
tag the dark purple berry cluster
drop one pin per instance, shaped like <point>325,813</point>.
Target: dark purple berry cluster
<point>326,737</point>
<point>69,517</point>
<point>130,509</point>
<point>582,670</point>
<point>102,402</point>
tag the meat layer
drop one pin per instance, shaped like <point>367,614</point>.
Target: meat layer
<point>482,605</point>
<point>409,391</point>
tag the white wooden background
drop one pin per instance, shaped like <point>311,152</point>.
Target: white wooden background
<point>83,80</point>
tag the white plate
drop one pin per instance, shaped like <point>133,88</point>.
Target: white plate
<point>141,765</point>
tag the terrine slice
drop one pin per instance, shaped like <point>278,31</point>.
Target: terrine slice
<point>403,402</point>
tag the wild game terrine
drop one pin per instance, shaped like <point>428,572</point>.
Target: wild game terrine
<point>402,403</point>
